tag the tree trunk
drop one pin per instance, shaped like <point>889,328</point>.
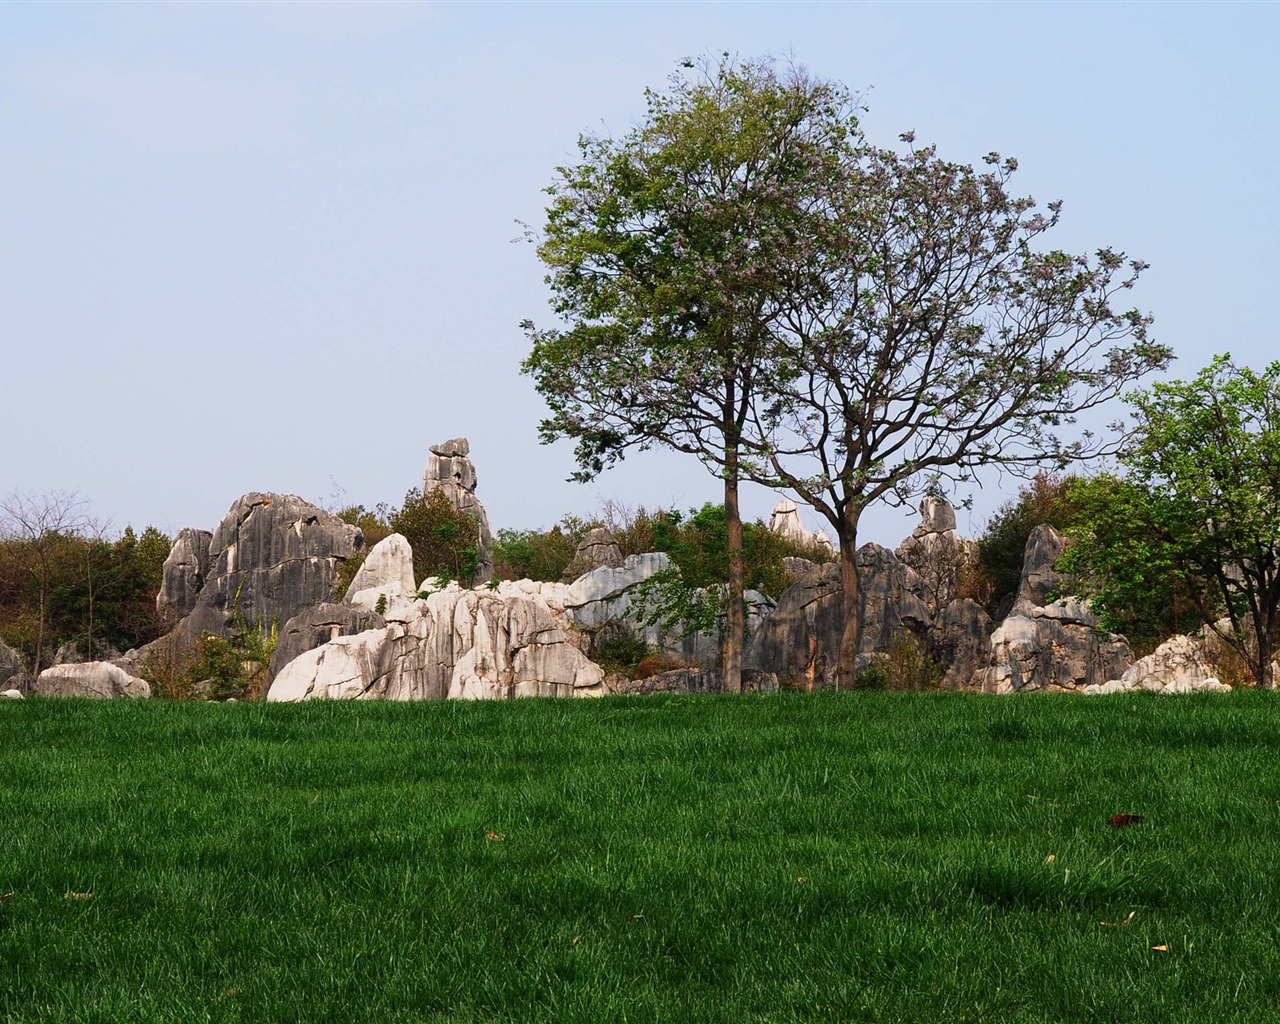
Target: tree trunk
<point>735,627</point>
<point>851,603</point>
<point>1266,675</point>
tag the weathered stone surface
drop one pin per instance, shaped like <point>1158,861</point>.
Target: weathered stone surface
<point>13,670</point>
<point>784,520</point>
<point>1179,665</point>
<point>598,549</point>
<point>959,640</point>
<point>185,572</point>
<point>12,695</point>
<point>387,571</point>
<point>703,651</point>
<point>937,552</point>
<point>69,653</point>
<point>604,594</point>
<point>689,680</point>
<point>466,644</point>
<point>317,625</point>
<point>272,556</point>
<point>1057,647</point>
<point>798,567</point>
<point>800,640</point>
<point>98,679</point>
<point>1039,579</point>
<point>450,470</point>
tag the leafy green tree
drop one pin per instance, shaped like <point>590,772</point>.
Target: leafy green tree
<point>673,253</point>
<point>444,540</point>
<point>949,340</point>
<point>1196,521</point>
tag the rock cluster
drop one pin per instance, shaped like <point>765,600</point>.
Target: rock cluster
<point>449,470</point>
<point>1179,665</point>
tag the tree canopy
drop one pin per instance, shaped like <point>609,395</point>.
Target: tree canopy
<point>1195,523</point>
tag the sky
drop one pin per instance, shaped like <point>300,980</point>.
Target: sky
<point>277,247</point>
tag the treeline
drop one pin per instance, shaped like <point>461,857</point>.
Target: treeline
<point>62,581</point>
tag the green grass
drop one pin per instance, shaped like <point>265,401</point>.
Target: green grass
<point>825,857</point>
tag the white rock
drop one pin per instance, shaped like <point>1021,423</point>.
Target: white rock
<point>784,520</point>
<point>12,694</point>
<point>90,679</point>
<point>388,568</point>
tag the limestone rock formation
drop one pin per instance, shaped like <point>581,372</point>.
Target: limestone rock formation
<point>937,552</point>
<point>800,640</point>
<point>1179,665</point>
<point>449,469</point>
<point>1056,647</point>
<point>690,680</point>
<point>784,520</point>
<point>468,644</point>
<point>11,694</point>
<point>387,571</point>
<point>13,670</point>
<point>185,572</point>
<point>959,640</point>
<point>99,679</point>
<point>605,594</point>
<point>598,549</point>
<point>1039,578</point>
<point>317,625</point>
<point>271,556</point>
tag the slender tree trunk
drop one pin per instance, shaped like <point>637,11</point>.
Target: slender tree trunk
<point>851,589</point>
<point>1266,675</point>
<point>735,617</point>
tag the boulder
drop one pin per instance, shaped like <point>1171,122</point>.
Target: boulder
<point>317,625</point>
<point>98,679</point>
<point>12,695</point>
<point>13,670</point>
<point>598,549</point>
<point>450,470</point>
<point>467,644</point>
<point>387,572</point>
<point>784,520</point>
<point>184,574</point>
<point>1179,665</point>
<point>800,640</point>
<point>1058,647</point>
<point>272,556</point>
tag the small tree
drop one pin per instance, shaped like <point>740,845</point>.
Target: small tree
<point>1197,519</point>
<point>948,342</point>
<point>672,253</point>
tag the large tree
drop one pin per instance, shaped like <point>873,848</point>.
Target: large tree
<point>1196,520</point>
<point>674,253</point>
<point>950,339</point>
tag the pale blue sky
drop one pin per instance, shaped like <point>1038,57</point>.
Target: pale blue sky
<point>270,246</point>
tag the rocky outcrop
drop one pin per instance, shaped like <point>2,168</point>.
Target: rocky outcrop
<point>784,520</point>
<point>271,556</point>
<point>184,574</point>
<point>467,644</point>
<point>607,594</point>
<point>689,680</point>
<point>937,552</point>
<point>1056,647</point>
<point>70,654</point>
<point>13,670</point>
<point>1040,580</point>
<point>959,641</point>
<point>449,470</point>
<point>800,640</point>
<point>317,625</point>
<point>1179,665</point>
<point>98,679</point>
<point>387,572</point>
<point>11,694</point>
<point>597,550</point>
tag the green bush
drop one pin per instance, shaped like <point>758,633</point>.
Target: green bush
<point>1047,499</point>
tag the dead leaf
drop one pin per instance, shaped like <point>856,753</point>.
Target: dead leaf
<point>5,897</point>
<point>1119,924</point>
<point>78,896</point>
<point>495,837</point>
<point>1051,858</point>
<point>1124,820</point>
<point>1163,949</point>
<point>800,879</point>
<point>636,917</point>
<point>577,939</point>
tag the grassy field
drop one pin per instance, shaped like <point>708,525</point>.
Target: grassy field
<point>825,857</point>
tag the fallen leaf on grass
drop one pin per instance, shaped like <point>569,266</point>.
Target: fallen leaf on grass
<point>800,879</point>
<point>577,939</point>
<point>78,896</point>
<point>1119,924</point>
<point>495,837</point>
<point>1124,820</point>
<point>1051,858</point>
<point>1163,949</point>
<point>5,897</point>
<point>636,917</point>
